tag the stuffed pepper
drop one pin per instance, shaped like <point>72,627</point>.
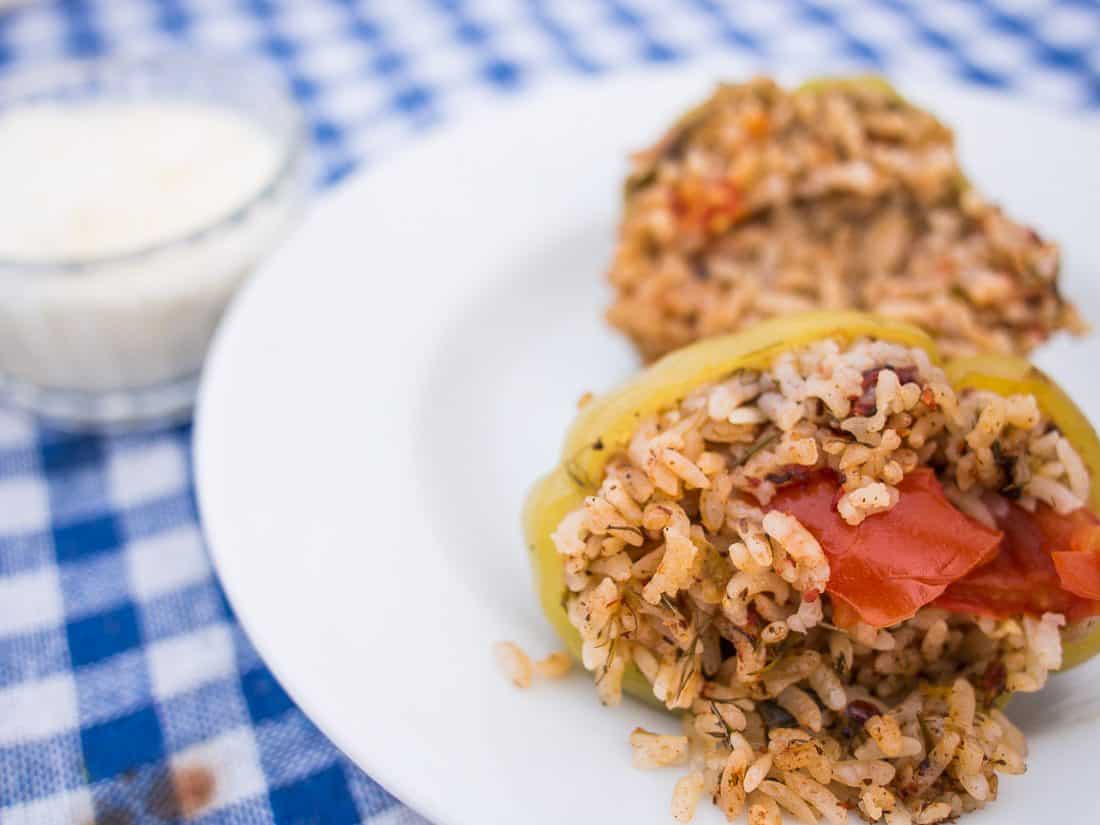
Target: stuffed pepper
<point>839,194</point>
<point>834,555</point>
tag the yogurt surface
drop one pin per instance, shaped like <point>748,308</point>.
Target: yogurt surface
<point>97,179</point>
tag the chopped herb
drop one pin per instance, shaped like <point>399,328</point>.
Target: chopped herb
<point>721,720</point>
<point>630,609</point>
<point>667,602</point>
<point>779,650</point>
<point>762,441</point>
<point>685,677</point>
<point>605,669</point>
<point>625,528</point>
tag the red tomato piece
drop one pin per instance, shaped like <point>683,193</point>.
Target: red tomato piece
<point>1074,545</point>
<point>895,562</point>
<point>1079,573</point>
<point>1047,563</point>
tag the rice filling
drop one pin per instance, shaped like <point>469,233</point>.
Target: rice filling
<point>762,202</point>
<point>689,563</point>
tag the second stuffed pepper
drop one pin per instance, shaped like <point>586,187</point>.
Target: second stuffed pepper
<point>763,201</point>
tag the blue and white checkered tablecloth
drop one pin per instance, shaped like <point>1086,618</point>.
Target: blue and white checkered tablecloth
<point>128,692</point>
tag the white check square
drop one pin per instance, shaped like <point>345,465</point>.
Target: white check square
<point>166,561</point>
<point>138,474</point>
<point>30,601</point>
<point>63,808</point>
<point>183,662</point>
<point>26,504</point>
<point>37,709</point>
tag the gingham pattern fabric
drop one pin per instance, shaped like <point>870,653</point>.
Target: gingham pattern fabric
<point>128,692</point>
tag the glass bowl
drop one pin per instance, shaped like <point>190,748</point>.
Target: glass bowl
<point>117,341</point>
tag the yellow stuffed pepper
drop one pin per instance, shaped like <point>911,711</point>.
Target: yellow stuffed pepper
<point>840,193</point>
<point>827,548</point>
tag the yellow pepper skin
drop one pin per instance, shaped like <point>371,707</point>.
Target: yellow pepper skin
<point>605,425</point>
<point>1009,375</point>
<point>853,82</point>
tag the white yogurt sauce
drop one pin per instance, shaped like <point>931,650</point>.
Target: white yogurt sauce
<point>95,182</point>
<point>99,179</point>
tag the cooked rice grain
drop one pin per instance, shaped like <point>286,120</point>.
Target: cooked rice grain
<point>554,666</point>
<point>655,750</point>
<point>686,796</point>
<point>514,662</point>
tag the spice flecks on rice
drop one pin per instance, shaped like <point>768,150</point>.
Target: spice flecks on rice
<point>676,566</point>
<point>763,202</point>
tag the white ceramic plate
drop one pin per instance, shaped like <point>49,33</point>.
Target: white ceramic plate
<point>380,399</point>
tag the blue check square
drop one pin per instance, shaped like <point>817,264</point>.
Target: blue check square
<point>122,744</point>
<point>265,696</point>
<point>103,634</point>
<point>320,799</point>
<point>62,453</point>
<point>85,538</point>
